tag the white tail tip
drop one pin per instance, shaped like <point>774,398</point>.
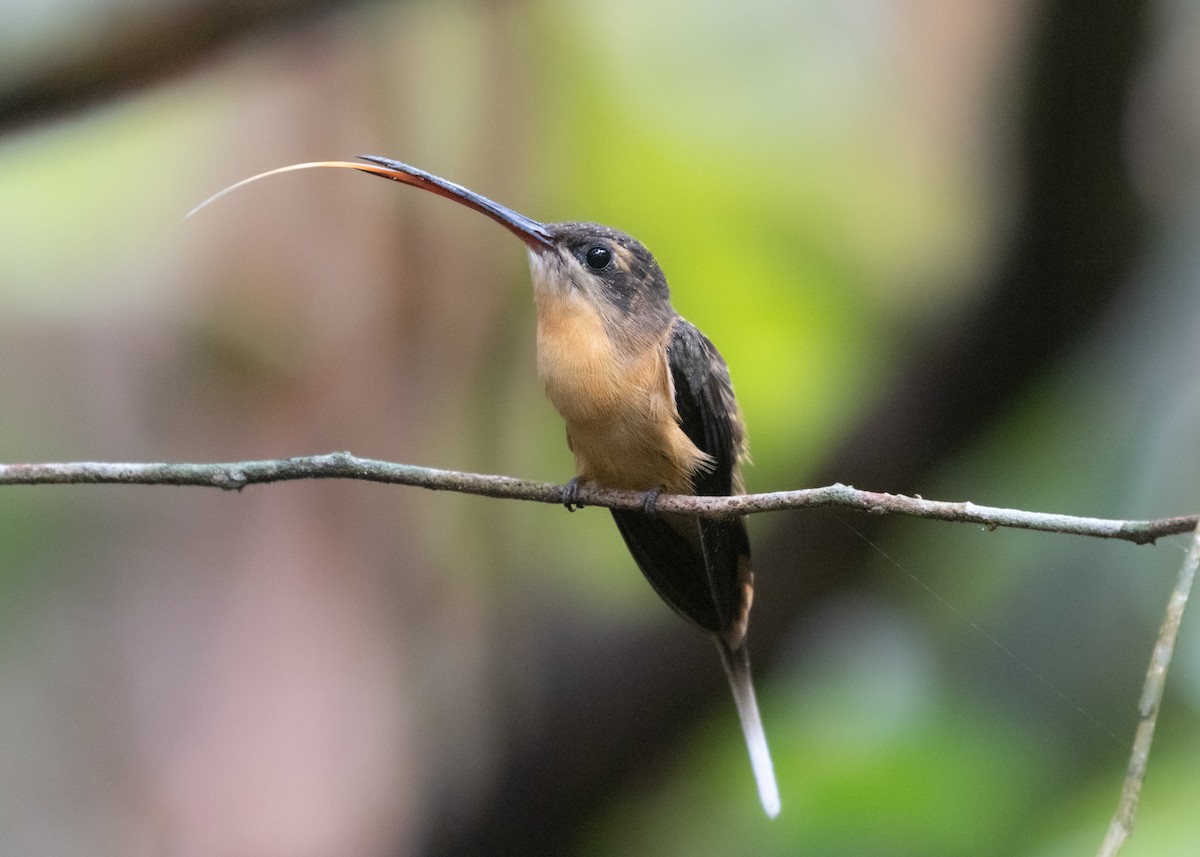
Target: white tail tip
<point>764,771</point>
<point>737,668</point>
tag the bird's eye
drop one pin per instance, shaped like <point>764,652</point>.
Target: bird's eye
<point>598,257</point>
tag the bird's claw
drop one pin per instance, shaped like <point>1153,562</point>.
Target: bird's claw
<point>570,495</point>
<point>650,502</point>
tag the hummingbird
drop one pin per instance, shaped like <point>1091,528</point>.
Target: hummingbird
<point>648,406</point>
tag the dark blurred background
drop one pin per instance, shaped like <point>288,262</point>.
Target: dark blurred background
<point>947,248</point>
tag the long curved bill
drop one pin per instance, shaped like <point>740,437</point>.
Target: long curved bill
<point>533,233</point>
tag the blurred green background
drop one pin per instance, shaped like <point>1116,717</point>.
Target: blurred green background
<point>947,248</point>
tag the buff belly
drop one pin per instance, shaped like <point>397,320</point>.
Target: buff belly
<point>618,403</point>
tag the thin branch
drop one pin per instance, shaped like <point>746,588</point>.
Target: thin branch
<point>343,465</point>
<point>1151,701</point>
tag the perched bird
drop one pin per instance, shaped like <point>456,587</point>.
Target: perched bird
<point>648,406</point>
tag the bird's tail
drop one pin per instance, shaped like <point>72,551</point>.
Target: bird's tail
<point>737,669</point>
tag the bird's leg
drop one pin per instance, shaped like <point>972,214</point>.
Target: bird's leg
<point>650,501</point>
<point>570,494</point>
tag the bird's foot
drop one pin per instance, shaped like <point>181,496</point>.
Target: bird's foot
<point>650,501</point>
<point>570,494</point>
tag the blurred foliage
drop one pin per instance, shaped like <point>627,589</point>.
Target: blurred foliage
<point>67,205</point>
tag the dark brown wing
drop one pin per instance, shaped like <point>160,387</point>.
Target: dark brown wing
<point>701,568</point>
